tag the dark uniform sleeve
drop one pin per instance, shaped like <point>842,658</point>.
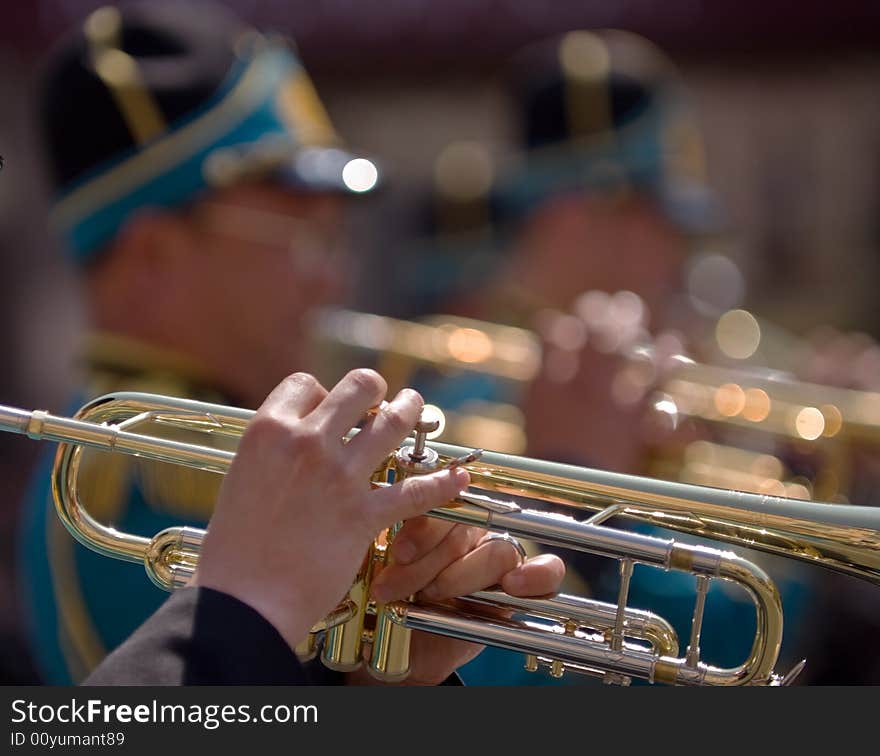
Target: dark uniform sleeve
<point>200,636</point>
<point>204,637</point>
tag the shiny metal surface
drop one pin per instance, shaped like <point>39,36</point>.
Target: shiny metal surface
<point>840,537</point>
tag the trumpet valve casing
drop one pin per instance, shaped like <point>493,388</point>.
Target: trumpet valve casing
<point>389,661</point>
<point>343,644</point>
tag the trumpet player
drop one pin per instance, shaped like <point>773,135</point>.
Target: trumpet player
<point>598,217</point>
<point>201,194</point>
<point>293,520</point>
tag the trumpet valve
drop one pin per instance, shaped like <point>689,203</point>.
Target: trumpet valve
<point>343,641</point>
<point>409,463</point>
<point>615,678</point>
<point>424,427</point>
<point>419,459</point>
<point>557,668</point>
<point>531,664</point>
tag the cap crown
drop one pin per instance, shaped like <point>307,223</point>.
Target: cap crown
<point>152,103</point>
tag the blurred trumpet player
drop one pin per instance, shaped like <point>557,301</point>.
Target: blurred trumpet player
<point>598,215</point>
<point>846,621</point>
<point>594,215</point>
<point>201,194</point>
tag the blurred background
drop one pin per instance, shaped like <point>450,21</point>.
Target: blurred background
<point>785,95</point>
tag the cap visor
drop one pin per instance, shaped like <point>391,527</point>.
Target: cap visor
<point>329,169</point>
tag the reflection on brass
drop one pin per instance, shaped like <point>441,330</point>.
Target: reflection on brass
<point>730,399</point>
<point>762,413</point>
<point>443,341</point>
<point>738,334</point>
<point>774,404</point>
<point>839,537</point>
<point>757,405</point>
<point>827,422</point>
<point>449,344</point>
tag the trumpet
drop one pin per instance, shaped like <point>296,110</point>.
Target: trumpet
<point>448,342</point>
<point>823,420</point>
<point>450,345</point>
<point>824,423</point>
<point>774,403</point>
<point>541,501</point>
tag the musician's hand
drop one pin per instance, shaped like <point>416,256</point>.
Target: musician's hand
<point>844,359</point>
<point>577,404</point>
<point>296,513</point>
<point>438,561</point>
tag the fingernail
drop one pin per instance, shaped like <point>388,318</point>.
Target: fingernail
<point>403,550</point>
<point>409,394</point>
<point>461,477</point>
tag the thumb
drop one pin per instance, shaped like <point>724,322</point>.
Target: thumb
<point>417,495</point>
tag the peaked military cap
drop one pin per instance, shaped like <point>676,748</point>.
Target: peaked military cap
<point>151,104</point>
<point>602,110</point>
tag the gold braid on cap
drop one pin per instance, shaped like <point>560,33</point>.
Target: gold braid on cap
<point>120,73</point>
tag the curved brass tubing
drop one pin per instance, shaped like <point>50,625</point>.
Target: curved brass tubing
<point>615,641</point>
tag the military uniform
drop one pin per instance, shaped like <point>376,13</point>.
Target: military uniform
<point>79,604</point>
<point>180,645</point>
<point>152,106</point>
<point>604,114</point>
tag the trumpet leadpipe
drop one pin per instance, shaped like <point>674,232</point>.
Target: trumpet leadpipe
<point>841,537</point>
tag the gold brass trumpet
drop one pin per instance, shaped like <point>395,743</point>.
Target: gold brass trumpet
<point>448,344</point>
<point>444,341</point>
<point>614,641</point>
<point>774,403</point>
<point>826,422</point>
<point>747,399</point>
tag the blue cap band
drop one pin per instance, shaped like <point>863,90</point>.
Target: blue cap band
<point>634,156</point>
<point>248,111</point>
